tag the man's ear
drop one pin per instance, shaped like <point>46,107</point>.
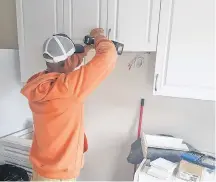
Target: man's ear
<point>69,58</point>
<point>73,60</point>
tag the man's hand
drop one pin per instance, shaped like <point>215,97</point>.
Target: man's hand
<point>76,59</point>
<point>97,32</point>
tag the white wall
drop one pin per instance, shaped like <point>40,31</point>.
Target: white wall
<point>14,110</point>
<point>111,116</point>
<point>8,33</point>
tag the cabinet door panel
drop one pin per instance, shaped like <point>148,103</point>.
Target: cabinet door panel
<point>80,16</point>
<point>185,52</point>
<point>134,23</point>
<point>36,21</point>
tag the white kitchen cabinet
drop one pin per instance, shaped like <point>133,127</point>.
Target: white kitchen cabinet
<point>134,23</point>
<point>185,50</point>
<point>38,19</point>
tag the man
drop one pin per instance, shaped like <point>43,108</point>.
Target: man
<point>56,98</point>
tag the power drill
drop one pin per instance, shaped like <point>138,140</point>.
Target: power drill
<point>88,40</point>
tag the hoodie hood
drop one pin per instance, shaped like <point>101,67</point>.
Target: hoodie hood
<point>42,87</point>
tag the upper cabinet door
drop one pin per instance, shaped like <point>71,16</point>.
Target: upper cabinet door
<point>80,16</point>
<point>134,23</point>
<point>36,21</point>
<point>185,51</point>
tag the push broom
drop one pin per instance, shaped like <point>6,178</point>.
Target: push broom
<point>136,154</point>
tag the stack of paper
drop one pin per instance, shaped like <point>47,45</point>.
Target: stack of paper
<point>165,142</point>
<point>164,164</point>
<point>161,168</point>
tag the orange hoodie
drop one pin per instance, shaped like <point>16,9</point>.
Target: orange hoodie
<point>56,101</point>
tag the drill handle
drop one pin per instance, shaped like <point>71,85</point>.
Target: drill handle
<point>88,40</point>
